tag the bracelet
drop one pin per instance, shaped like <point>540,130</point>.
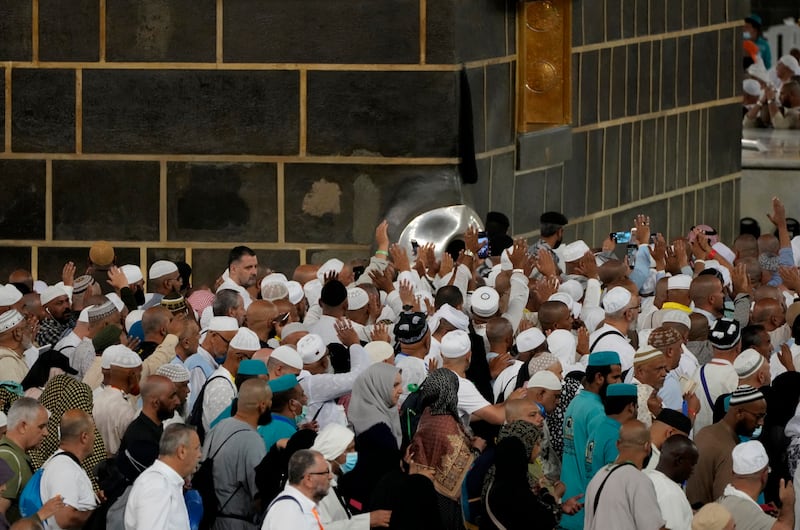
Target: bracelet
<point>469,253</point>
<point>699,261</point>
<point>382,252</point>
<point>711,254</point>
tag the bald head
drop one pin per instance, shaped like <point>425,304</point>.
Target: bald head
<point>498,330</point>
<point>551,313</point>
<point>523,409</point>
<point>23,277</point>
<point>612,271</point>
<point>305,273</point>
<point>767,291</point>
<point>677,446</point>
<point>252,393</point>
<point>154,386</point>
<point>703,287</point>
<point>155,319</point>
<point>633,433</point>
<point>746,246</point>
<point>260,316</point>
<point>75,422</point>
<point>767,312</point>
<point>768,244</point>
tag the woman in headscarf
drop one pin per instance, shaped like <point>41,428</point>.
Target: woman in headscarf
<point>48,365</point>
<point>376,421</point>
<point>782,400</point>
<point>442,444</point>
<point>62,393</point>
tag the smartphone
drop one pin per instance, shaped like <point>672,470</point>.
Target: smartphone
<point>631,253</point>
<point>620,237</point>
<point>483,240</point>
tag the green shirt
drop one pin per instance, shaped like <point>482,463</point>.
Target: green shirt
<point>602,446</point>
<point>21,466</point>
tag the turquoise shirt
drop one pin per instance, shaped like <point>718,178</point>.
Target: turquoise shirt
<point>602,446</point>
<point>585,407</point>
<point>225,414</point>
<point>280,427</point>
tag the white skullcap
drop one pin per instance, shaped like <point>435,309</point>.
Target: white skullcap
<point>726,274</point>
<point>39,286</point>
<point>485,302</point>
<point>530,339</point>
<point>296,293</point>
<point>245,339</point>
<point>675,316</point>
<point>679,281</point>
<point>567,300</point>
<point>646,353</point>
<point>749,457</point>
<point>572,288</point>
<point>177,373</point>
<point>275,277</point>
<point>575,250</point>
<point>379,351</point>
<point>758,71</point>
<point>119,355</point>
<point>223,324</point>
<point>747,363</point>
<point>132,318</point>
<point>311,348</point>
<point>592,317</point>
<point>9,295</point>
<point>333,440</point>
<point>454,316</point>
<point>313,291</point>
<point>162,268</point>
<point>292,327</point>
<point>357,298</point>
<point>332,265</point>
<point>83,316</point>
<point>751,87</point>
<point>493,274</point>
<point>562,344</point>
<point>3,419</point>
<point>116,300</point>
<point>545,379</point>
<point>51,293</point>
<point>288,356</point>
<point>790,62</point>
<point>205,318</point>
<point>616,299</point>
<point>724,251</point>
<point>273,291</point>
<point>133,273</point>
<point>455,344</point>
<point>10,319</point>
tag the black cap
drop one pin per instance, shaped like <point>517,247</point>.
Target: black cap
<point>334,293</point>
<point>410,328</point>
<point>56,359</point>
<point>675,419</point>
<point>498,218</point>
<point>725,334</point>
<point>553,218</point>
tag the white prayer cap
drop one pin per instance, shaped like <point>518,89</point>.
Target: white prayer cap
<point>485,302</point>
<point>562,343</point>
<point>333,264</point>
<point>724,251</point>
<point>333,440</point>
<point>545,379</point>
<point>726,274</point>
<point>39,286</point>
<point>292,327</point>
<point>9,295</point>
<point>749,457</point>
<point>357,298</point>
<point>83,316</point>
<point>455,344</point>
<point>132,318</point>
<point>646,353</point>
<point>672,315</point>
<point>616,299</point>
<point>223,324</point>
<point>51,293</point>
<point>162,268</point>
<point>116,300</point>
<point>273,291</point>
<point>572,288</point>
<point>592,317</point>
<point>288,356</point>
<point>296,293</point>
<point>133,273</point>
<point>311,348</point>
<point>575,250</point>
<point>245,339</point>
<point>313,290</point>
<point>751,87</point>
<point>177,373</point>
<point>454,316</point>
<point>275,277</point>
<point>493,274</point>
<point>119,355</point>
<point>379,351</point>
<point>747,363</point>
<point>790,62</point>
<point>679,282</point>
<point>10,319</point>
<point>530,339</point>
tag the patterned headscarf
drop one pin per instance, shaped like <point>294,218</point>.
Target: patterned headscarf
<point>439,393</point>
<point>529,434</point>
<point>63,393</point>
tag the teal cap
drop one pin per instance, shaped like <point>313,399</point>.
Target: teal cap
<point>603,358</point>
<point>283,383</point>
<point>621,389</point>
<point>252,367</point>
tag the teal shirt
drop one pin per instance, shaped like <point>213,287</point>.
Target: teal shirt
<point>584,408</point>
<point>225,414</point>
<point>602,446</point>
<point>280,427</point>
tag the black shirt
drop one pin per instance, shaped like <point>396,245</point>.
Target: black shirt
<point>139,447</point>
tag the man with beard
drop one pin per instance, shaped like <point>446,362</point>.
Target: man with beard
<point>242,272</point>
<point>552,234</point>
<point>309,479</point>
<point>59,316</point>
<point>114,403</point>
<point>237,449</point>
<point>139,446</point>
<point>164,278</point>
<point>15,338</point>
<point>716,442</point>
<point>603,369</point>
<point>179,375</point>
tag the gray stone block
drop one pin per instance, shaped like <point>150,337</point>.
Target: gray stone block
<point>15,31</point>
<point>544,147</point>
<point>23,198</point>
<point>69,31</point>
<point>43,110</point>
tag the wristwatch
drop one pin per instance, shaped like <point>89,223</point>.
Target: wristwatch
<point>468,252</point>
<point>407,307</point>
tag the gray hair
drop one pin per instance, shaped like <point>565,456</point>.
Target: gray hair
<point>299,464</point>
<point>174,436</point>
<point>24,409</point>
<point>226,300</point>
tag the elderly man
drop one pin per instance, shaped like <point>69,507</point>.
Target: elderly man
<point>58,323</point>
<point>622,309</point>
<point>649,372</point>
<point>309,479</point>
<point>15,338</point>
<point>210,353</point>
<point>156,499</point>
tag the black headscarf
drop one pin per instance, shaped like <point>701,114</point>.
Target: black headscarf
<point>439,393</point>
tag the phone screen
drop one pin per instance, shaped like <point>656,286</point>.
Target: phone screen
<point>483,240</point>
<point>620,237</point>
<point>632,255</point>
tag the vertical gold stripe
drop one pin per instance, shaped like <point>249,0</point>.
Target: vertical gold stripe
<point>143,260</point>
<point>423,30</point>
<point>35,262</point>
<point>303,112</point>
<point>187,256</point>
<point>78,110</point>
<point>219,31</point>
<point>303,256</point>
<point>281,208</point>
<point>7,124</point>
<point>162,201</point>
<point>102,31</point>
<point>35,30</point>
<point>719,60</point>
<point>48,200</point>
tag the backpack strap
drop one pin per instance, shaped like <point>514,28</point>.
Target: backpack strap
<point>602,336</point>
<point>223,443</point>
<point>705,386</point>
<point>284,498</point>
<point>19,467</point>
<point>602,485</point>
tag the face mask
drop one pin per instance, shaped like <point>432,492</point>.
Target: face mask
<point>220,360</point>
<point>746,35</point>
<point>301,418</point>
<point>265,418</point>
<point>757,432</point>
<point>350,463</point>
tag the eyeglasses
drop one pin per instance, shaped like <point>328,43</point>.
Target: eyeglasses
<point>326,472</point>
<point>759,416</point>
<point>226,341</point>
<point>283,317</point>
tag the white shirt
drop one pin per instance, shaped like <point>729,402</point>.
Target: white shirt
<point>675,508</point>
<point>67,344</point>
<point>218,395</point>
<point>469,400</point>
<point>325,327</point>
<point>287,513</point>
<point>197,377</point>
<point>62,476</point>
<point>112,414</point>
<point>504,384</point>
<point>721,379</point>
<point>156,500</point>
<point>616,342</point>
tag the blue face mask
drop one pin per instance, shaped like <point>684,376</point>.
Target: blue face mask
<point>301,418</point>
<point>350,463</point>
<point>220,360</point>
<point>756,433</point>
<point>746,35</point>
